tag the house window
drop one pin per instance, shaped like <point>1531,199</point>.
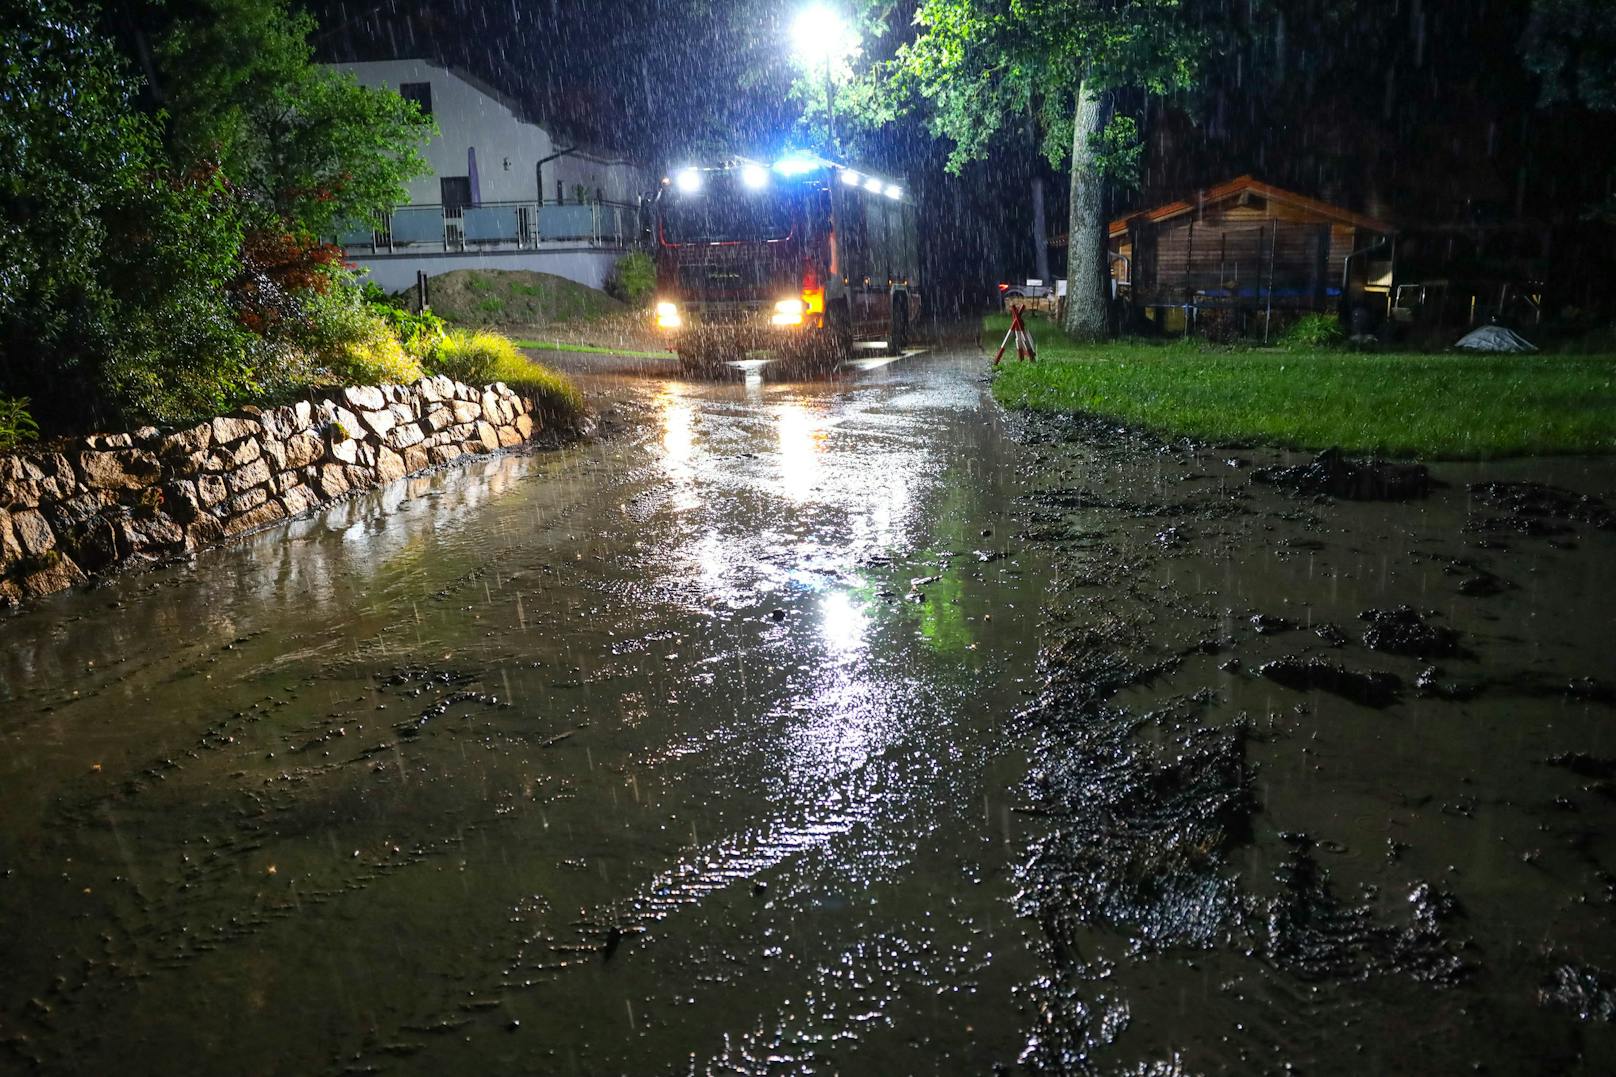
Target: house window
<point>420,93</point>
<point>455,191</point>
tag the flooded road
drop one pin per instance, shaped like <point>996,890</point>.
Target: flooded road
<point>834,727</point>
<point>679,751</point>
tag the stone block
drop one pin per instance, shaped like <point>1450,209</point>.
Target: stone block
<point>389,465</point>
<point>427,389</point>
<point>403,437</point>
<point>211,489</point>
<point>254,518</point>
<point>180,500</point>
<point>33,532</point>
<point>203,531</point>
<point>344,452</point>
<point>332,481</point>
<point>405,411</point>
<point>466,412</point>
<point>239,455</point>
<point>437,419</point>
<point>298,500</point>
<point>254,474</point>
<point>416,458</point>
<point>509,437</point>
<point>524,426</point>
<point>72,512</point>
<point>488,436</point>
<point>443,454</point>
<point>490,405</point>
<point>186,466</point>
<point>303,450</point>
<point>185,442</point>
<point>109,442</point>
<point>364,397</point>
<point>378,423</point>
<point>228,431</point>
<point>246,501</point>
<point>360,478</point>
<point>10,546</point>
<point>121,469</point>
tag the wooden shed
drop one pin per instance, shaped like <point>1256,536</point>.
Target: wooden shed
<point>1252,250</point>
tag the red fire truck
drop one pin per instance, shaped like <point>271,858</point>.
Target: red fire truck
<point>802,257</point>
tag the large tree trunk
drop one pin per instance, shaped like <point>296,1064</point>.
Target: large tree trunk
<point>1040,232</point>
<point>1088,283</point>
<point>1040,219</point>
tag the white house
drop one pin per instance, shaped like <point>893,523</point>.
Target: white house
<point>502,193</point>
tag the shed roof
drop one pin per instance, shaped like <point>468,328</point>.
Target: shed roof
<point>1251,185</point>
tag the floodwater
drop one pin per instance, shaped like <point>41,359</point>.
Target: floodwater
<point>829,727</point>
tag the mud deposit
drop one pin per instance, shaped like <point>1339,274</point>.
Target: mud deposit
<point>1276,841</point>
<point>829,728</point>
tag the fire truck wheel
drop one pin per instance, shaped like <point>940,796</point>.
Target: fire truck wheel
<point>838,334</point>
<point>898,333</point>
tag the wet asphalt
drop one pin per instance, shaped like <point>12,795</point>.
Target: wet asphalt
<point>831,726</point>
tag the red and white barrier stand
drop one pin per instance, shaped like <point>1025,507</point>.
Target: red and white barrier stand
<point>1018,329</point>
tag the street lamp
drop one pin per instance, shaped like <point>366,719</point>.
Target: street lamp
<point>820,37</point>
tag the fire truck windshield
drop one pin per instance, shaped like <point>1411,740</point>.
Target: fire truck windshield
<point>724,211</point>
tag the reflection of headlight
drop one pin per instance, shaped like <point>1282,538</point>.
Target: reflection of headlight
<point>667,315</point>
<point>787,312</point>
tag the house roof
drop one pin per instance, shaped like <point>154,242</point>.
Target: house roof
<point>1250,184</point>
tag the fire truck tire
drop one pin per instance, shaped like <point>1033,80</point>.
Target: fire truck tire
<point>838,334</point>
<point>898,333</point>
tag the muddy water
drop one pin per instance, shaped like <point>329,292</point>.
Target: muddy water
<point>683,750</point>
<point>826,727</point>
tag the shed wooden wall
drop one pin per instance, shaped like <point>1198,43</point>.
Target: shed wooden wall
<point>1238,255</point>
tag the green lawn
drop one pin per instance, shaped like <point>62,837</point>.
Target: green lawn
<point>1453,406</point>
<point>592,349</point>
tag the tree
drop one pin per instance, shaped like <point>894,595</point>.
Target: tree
<point>983,66</point>
<point>308,147</point>
<point>159,252</point>
<point>110,262</point>
<point>1570,45</point>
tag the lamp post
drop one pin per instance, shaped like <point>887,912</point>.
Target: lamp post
<point>820,35</point>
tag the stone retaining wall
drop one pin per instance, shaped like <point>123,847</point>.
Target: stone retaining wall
<point>113,499</point>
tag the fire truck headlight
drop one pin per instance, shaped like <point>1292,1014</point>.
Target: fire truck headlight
<point>667,316</point>
<point>754,176</point>
<point>688,180</point>
<point>787,312</point>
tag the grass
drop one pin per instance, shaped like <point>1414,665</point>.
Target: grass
<point>1448,406</point>
<point>512,297</point>
<point>481,358</point>
<point>591,349</point>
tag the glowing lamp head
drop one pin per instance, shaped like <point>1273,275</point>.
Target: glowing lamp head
<point>894,191</point>
<point>688,181</point>
<point>818,35</point>
<point>851,178</point>
<point>754,177</point>
<point>873,185</point>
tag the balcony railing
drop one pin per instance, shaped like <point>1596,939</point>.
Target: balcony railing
<point>493,226</point>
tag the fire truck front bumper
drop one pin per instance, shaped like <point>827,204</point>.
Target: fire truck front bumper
<point>736,327</point>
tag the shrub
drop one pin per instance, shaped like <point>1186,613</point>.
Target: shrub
<point>420,334</point>
<point>16,425</point>
<point>1314,331</point>
<point>634,279</point>
<point>375,357</point>
<point>482,358</point>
